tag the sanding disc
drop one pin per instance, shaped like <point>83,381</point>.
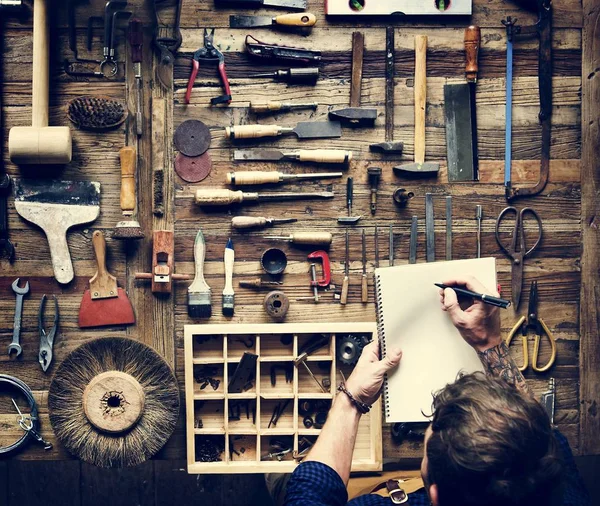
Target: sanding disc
<point>193,168</point>
<point>192,137</point>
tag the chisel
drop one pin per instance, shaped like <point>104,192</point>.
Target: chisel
<point>243,222</point>
<point>302,155</point>
<point>272,107</point>
<point>287,4</point>
<point>316,238</point>
<point>429,228</point>
<point>449,227</point>
<point>297,19</point>
<point>412,251</point>
<point>220,197</point>
<point>346,282</point>
<point>364,297</point>
<point>250,177</point>
<point>391,246</point>
<point>292,76</point>
<point>304,130</point>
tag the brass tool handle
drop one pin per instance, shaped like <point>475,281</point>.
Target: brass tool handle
<point>316,238</point>
<point>218,197</point>
<point>127,156</point>
<point>420,96</point>
<point>249,177</point>
<point>345,286</point>
<point>364,289</point>
<point>252,131</point>
<point>323,155</point>
<point>472,43</point>
<point>299,19</point>
<point>241,222</point>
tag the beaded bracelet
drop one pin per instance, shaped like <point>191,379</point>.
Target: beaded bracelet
<point>362,407</point>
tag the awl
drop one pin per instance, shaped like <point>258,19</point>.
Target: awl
<point>254,177</point>
<point>303,155</point>
<point>461,117</point>
<point>220,197</point>
<point>288,4</point>
<point>304,130</point>
<point>313,238</point>
<point>298,19</point>
<point>244,222</point>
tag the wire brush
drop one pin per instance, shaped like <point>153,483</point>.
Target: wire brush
<point>95,113</point>
<point>76,393</point>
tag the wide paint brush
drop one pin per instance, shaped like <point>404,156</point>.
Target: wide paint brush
<point>199,294</point>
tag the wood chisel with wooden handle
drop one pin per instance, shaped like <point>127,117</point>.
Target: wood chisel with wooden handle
<point>245,222</point>
<point>228,293</point>
<point>219,197</point>
<point>302,155</point>
<point>304,130</point>
<point>297,19</point>
<point>304,238</point>
<point>273,107</point>
<point>249,178</point>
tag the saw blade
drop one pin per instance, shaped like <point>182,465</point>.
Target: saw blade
<point>249,21</point>
<point>271,155</point>
<point>290,4</point>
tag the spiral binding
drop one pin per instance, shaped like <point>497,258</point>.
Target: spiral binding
<point>381,335</point>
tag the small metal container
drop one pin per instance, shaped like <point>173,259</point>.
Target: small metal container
<point>273,261</point>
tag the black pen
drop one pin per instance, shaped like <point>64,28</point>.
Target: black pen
<point>488,299</point>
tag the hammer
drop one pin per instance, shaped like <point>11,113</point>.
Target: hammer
<point>419,167</point>
<point>39,143</point>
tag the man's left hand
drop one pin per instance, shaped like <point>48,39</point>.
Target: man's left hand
<point>366,380</point>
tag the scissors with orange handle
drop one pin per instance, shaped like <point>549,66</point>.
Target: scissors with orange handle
<point>532,321</point>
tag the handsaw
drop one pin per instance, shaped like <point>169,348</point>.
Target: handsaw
<point>543,30</point>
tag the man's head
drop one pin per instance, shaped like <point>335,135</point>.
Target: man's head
<point>488,444</point>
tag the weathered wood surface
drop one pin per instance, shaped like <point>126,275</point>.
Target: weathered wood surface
<point>557,264</point>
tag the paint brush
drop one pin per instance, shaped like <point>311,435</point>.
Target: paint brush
<point>228,294</point>
<point>199,295</point>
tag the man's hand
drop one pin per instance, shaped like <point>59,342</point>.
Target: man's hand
<point>479,324</point>
<point>366,380</point>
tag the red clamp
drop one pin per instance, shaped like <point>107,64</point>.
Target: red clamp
<point>209,53</point>
<point>324,257</point>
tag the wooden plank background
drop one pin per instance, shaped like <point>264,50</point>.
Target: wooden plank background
<point>555,265</point>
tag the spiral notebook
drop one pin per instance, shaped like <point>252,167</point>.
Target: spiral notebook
<point>409,316</point>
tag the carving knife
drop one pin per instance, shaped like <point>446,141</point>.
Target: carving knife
<point>288,4</point>
<point>297,19</point>
<point>304,130</point>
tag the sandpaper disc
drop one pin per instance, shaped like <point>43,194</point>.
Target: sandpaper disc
<point>193,168</point>
<point>192,137</point>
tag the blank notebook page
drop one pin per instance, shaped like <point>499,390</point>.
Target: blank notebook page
<point>409,316</point>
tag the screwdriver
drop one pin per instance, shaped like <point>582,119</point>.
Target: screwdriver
<point>365,286</point>
<point>267,107</point>
<point>136,39</point>
<point>242,222</point>
<point>249,178</point>
<point>219,197</point>
<point>316,238</point>
<point>258,283</point>
<point>293,76</point>
<point>346,282</point>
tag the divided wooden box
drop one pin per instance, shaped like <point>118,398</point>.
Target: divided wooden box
<point>219,348</point>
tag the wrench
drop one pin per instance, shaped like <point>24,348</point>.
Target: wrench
<point>6,247</point>
<point>21,292</point>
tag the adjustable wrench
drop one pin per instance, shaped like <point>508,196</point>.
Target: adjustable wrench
<point>21,292</point>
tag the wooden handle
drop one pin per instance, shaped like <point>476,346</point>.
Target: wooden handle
<point>248,177</point>
<point>136,40</point>
<point>345,286</point>
<point>299,19</point>
<point>316,238</point>
<point>420,96</point>
<point>199,284</point>
<point>266,106</point>
<point>127,156</point>
<point>364,289</point>
<point>217,197</point>
<point>324,155</point>
<point>241,222</point>
<point>41,63</point>
<point>103,285</point>
<point>472,43</point>
<point>252,131</point>
<point>228,260</point>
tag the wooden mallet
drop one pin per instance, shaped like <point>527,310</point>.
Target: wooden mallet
<point>40,143</point>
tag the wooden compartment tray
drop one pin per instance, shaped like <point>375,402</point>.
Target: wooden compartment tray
<point>235,426</point>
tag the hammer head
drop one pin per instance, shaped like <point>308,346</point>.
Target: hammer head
<point>425,168</point>
<point>388,147</point>
<point>40,145</point>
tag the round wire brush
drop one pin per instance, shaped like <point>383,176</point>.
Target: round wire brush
<point>96,113</point>
<point>113,402</point>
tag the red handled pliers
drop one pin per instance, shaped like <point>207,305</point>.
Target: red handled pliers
<point>209,53</point>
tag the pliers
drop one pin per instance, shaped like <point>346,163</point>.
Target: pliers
<point>531,321</point>
<point>209,53</point>
<point>46,338</point>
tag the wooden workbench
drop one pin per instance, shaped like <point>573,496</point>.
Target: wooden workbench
<point>568,206</point>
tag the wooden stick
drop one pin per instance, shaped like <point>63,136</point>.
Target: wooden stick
<point>420,96</point>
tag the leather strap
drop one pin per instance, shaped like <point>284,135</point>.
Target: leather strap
<point>397,489</point>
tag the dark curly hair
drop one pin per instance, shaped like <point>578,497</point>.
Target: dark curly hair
<point>490,445</point>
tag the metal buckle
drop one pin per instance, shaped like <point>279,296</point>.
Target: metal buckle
<point>400,490</point>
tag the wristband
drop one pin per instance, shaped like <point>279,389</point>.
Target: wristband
<point>362,407</point>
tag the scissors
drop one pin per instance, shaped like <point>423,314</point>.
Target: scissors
<point>518,256</point>
<point>531,321</point>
